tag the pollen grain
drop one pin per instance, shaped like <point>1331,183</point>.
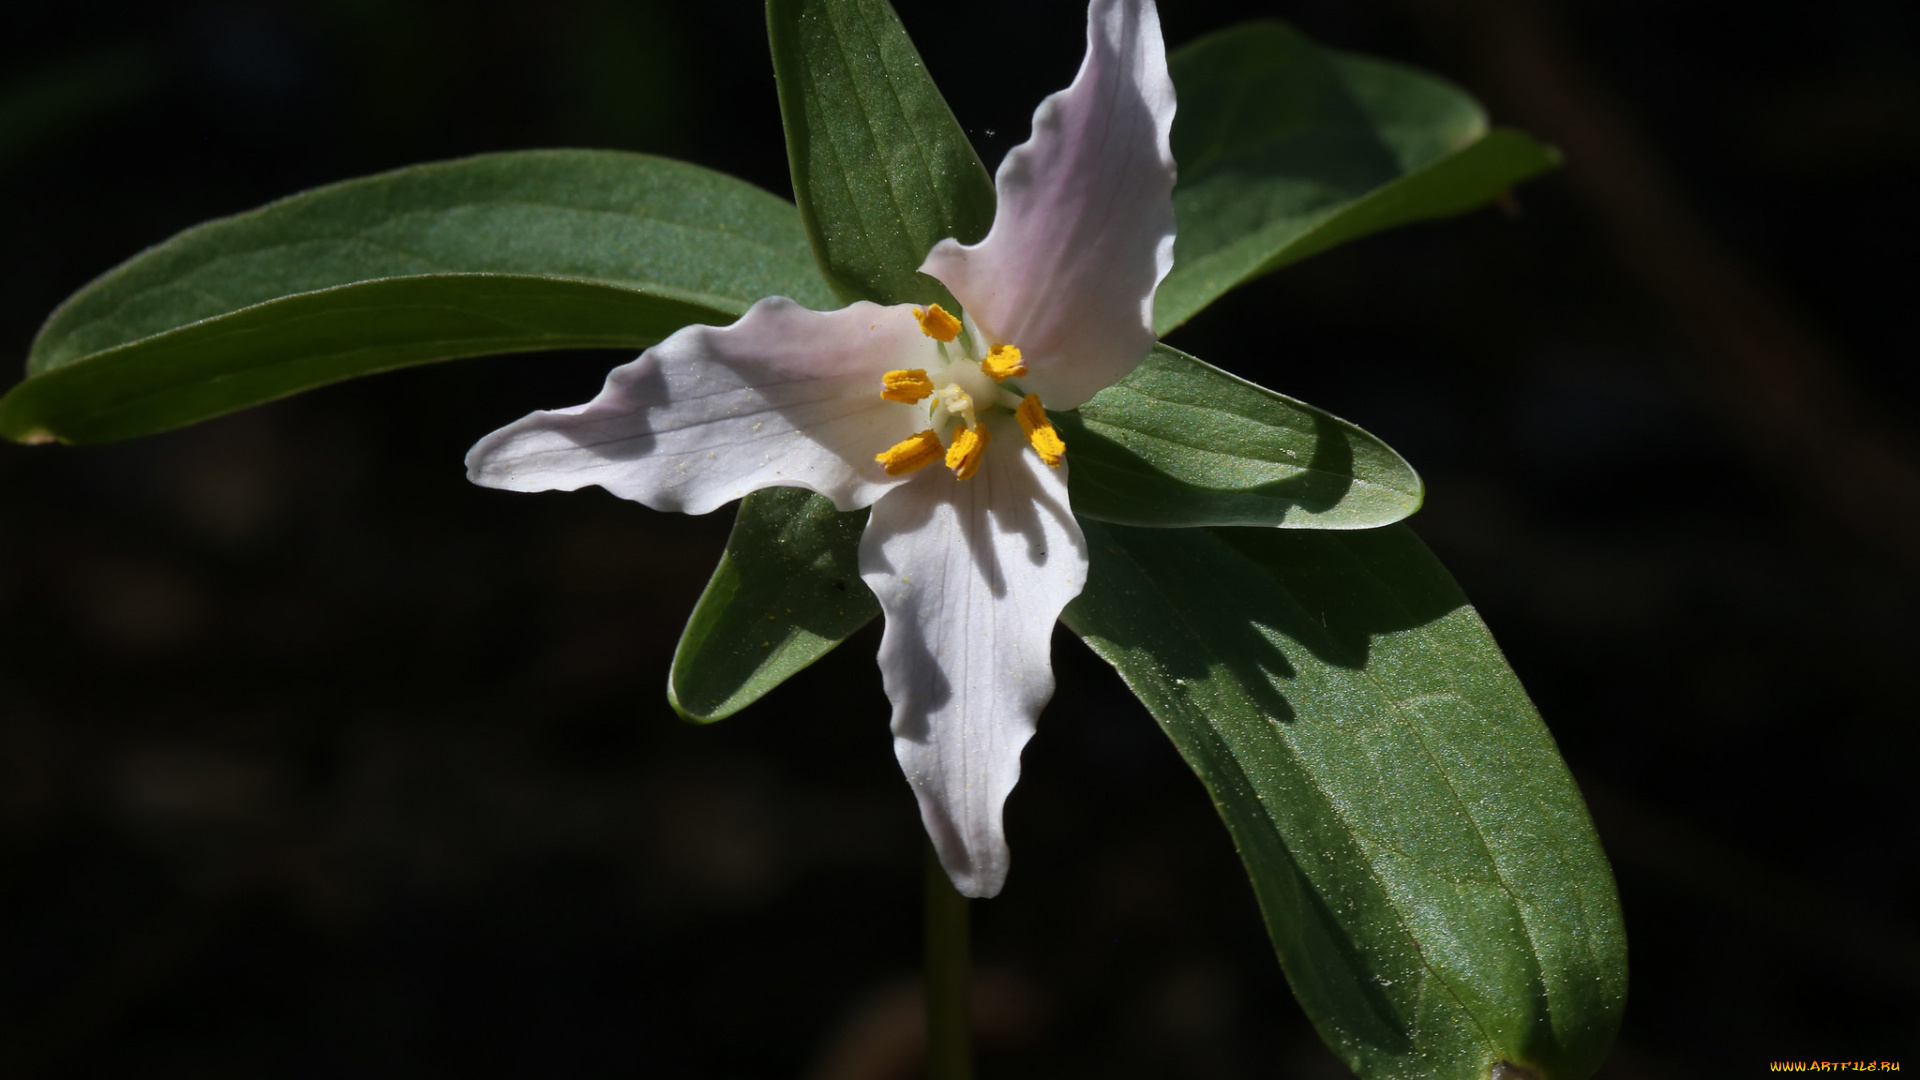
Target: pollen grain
<point>969,446</point>
<point>916,452</point>
<point>936,323</point>
<point>1040,432</point>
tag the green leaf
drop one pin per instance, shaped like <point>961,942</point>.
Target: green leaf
<point>295,343</point>
<point>1287,148</point>
<point>1181,443</point>
<point>1427,869</point>
<point>785,593</point>
<point>881,169</point>
<point>500,253</point>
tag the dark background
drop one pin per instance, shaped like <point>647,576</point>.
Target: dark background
<point>317,761</point>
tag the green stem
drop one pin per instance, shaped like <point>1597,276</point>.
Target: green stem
<point>949,1029</point>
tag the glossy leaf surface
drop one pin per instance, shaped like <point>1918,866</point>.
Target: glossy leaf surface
<point>1427,869</point>
<point>501,253</point>
<point>1287,148</point>
<point>881,169</point>
<point>1181,443</point>
<point>785,593</point>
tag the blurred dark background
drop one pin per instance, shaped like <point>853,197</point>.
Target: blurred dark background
<point>317,761</point>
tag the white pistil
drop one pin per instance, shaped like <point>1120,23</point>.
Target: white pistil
<point>958,403</point>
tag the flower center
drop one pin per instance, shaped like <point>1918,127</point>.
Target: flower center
<point>972,390</point>
<point>958,403</point>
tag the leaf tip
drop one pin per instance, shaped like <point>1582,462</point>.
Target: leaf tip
<point>673,700</point>
<point>713,711</point>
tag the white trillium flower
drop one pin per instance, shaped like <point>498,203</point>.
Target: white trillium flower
<point>939,424</point>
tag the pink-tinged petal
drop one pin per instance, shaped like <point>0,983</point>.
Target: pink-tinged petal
<point>1084,229</point>
<point>785,397</point>
<point>972,575</point>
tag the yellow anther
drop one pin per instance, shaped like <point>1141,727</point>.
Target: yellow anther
<point>969,446</point>
<point>936,323</point>
<point>1003,362</point>
<point>909,454</point>
<point>906,387</point>
<point>1046,441</point>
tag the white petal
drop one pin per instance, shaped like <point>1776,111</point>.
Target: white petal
<point>972,575</point>
<point>1084,229</point>
<point>785,397</point>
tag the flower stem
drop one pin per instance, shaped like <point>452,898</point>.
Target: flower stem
<point>949,1029</point>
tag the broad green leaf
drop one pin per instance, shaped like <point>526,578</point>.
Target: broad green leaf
<point>1181,443</point>
<point>500,253</point>
<point>295,343</point>
<point>1427,869</point>
<point>881,169</point>
<point>785,593</point>
<point>1287,148</point>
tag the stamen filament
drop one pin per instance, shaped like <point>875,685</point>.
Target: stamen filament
<point>969,446</point>
<point>906,387</point>
<point>1040,432</point>
<point>909,454</point>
